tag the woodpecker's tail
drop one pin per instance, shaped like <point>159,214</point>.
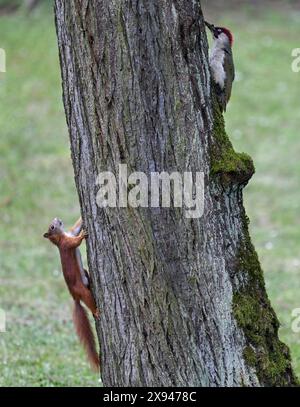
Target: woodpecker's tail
<point>85,334</point>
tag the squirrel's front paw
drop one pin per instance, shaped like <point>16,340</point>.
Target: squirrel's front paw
<point>84,234</point>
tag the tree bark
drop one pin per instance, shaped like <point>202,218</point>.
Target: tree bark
<point>182,301</point>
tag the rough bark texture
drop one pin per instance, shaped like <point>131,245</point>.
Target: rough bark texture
<point>182,300</point>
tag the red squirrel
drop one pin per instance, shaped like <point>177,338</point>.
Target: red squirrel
<point>77,280</point>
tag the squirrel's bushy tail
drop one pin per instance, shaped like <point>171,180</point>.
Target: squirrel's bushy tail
<point>85,334</point>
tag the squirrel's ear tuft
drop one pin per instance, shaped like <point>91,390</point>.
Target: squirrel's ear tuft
<point>46,235</point>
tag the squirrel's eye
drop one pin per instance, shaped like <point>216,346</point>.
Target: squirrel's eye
<point>52,227</point>
<point>60,222</point>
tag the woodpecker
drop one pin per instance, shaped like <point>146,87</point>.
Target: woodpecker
<point>221,63</point>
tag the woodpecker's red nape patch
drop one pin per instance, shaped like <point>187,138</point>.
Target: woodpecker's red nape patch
<point>229,34</point>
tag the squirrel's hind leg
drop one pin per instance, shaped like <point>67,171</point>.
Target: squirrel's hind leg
<point>88,299</point>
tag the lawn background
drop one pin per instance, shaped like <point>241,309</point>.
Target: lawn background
<point>36,181</point>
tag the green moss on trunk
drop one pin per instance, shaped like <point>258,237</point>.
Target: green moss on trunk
<point>256,317</point>
<point>251,307</point>
<point>232,167</point>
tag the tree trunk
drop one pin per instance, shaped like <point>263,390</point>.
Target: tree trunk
<point>182,301</point>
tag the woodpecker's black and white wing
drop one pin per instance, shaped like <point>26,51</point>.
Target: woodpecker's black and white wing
<point>230,76</point>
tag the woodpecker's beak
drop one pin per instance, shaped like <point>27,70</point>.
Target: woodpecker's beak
<point>212,28</point>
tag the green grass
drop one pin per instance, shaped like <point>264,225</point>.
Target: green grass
<point>40,347</point>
